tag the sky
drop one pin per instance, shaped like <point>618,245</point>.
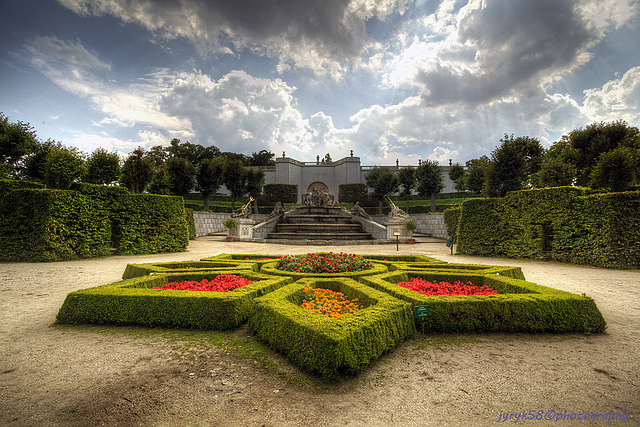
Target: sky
<point>389,79</point>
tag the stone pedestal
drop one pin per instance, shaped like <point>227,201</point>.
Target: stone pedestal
<point>396,227</point>
<point>244,229</point>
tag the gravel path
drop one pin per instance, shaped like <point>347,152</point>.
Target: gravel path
<point>55,375</point>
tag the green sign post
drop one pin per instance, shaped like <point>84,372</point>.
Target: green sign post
<point>421,310</point>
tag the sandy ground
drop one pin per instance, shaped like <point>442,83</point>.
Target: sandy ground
<point>56,375</point>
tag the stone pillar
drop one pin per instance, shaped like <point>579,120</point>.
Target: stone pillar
<point>395,227</point>
<point>245,228</point>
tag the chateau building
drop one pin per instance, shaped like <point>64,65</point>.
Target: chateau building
<point>327,174</point>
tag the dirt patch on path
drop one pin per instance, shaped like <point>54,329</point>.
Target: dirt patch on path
<point>116,376</point>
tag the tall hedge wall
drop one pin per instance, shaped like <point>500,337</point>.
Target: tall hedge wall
<point>52,225</point>
<point>285,193</point>
<point>142,223</point>
<point>7,185</point>
<point>562,224</point>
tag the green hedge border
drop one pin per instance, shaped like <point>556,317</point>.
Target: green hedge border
<point>507,271</point>
<point>520,306</point>
<point>242,258</point>
<point>331,347</point>
<point>134,302</point>
<point>377,268</point>
<point>138,270</point>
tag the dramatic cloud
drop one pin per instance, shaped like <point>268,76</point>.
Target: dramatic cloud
<point>322,35</point>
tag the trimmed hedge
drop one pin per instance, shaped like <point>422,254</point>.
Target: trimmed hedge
<point>270,268</point>
<point>451,219</point>
<point>513,272</point>
<point>562,224</point>
<point>520,306</point>
<point>135,302</point>
<point>245,259</point>
<point>285,193</point>
<point>351,193</point>
<point>52,225</point>
<point>7,185</point>
<point>331,347</point>
<point>191,223</point>
<point>139,270</point>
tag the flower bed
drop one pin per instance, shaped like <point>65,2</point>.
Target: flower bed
<point>328,302</point>
<point>519,306</point>
<point>139,270</point>
<point>323,263</point>
<point>135,302</point>
<point>331,347</point>
<point>428,288</point>
<point>221,283</point>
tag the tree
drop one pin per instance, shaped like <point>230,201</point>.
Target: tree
<point>182,176</point>
<point>34,164</point>
<point>598,138</point>
<point>234,178</point>
<point>616,170</point>
<point>209,178</point>
<point>382,183</point>
<point>456,174</point>
<point>102,167</point>
<point>475,177</point>
<point>192,152</point>
<point>136,171</point>
<point>513,165</point>
<point>16,141</point>
<point>160,183</point>
<point>558,166</point>
<point>429,178</point>
<point>407,182</point>
<point>255,181</point>
<point>262,158</point>
<point>63,166</point>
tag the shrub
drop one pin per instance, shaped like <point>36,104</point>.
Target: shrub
<point>135,302</point>
<point>256,259</point>
<point>351,193</point>
<point>270,268</point>
<point>142,223</point>
<point>138,270</point>
<point>327,346</point>
<point>188,213</point>
<point>7,185</point>
<point>52,225</point>
<point>285,193</point>
<point>520,306</point>
<point>562,224</point>
<point>451,219</point>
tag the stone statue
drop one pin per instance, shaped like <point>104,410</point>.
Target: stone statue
<point>396,213</point>
<point>244,211</point>
<point>356,210</point>
<point>277,211</point>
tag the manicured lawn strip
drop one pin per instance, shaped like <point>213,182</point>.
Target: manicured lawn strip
<point>269,268</point>
<point>135,302</point>
<point>507,271</point>
<point>330,347</point>
<point>138,270</point>
<point>520,306</point>
<point>243,258</point>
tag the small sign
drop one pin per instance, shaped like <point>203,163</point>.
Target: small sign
<point>421,310</point>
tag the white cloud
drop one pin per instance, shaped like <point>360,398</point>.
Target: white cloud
<point>617,99</point>
<point>72,67</point>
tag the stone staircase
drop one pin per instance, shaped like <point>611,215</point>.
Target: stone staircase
<point>318,223</point>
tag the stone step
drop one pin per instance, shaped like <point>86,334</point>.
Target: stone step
<point>320,236</point>
<point>319,228</point>
<point>322,219</point>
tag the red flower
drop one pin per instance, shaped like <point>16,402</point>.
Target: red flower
<point>221,283</point>
<point>445,288</point>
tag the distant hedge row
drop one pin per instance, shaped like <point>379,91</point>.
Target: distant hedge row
<point>39,224</point>
<point>562,224</point>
